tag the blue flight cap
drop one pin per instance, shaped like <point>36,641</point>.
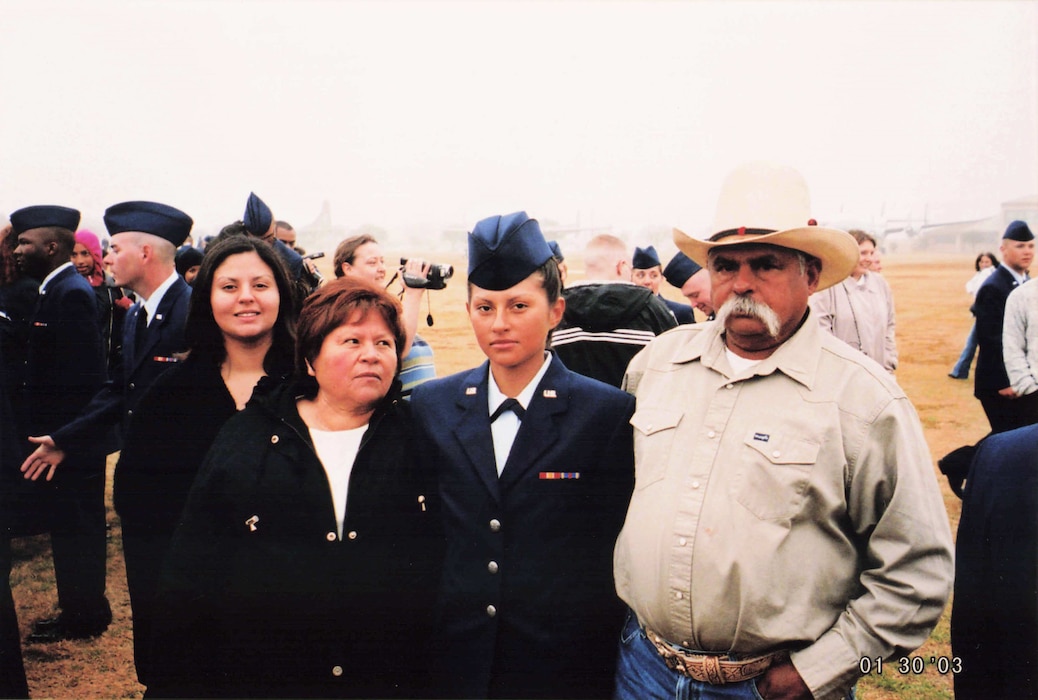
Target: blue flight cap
<point>679,269</point>
<point>505,250</point>
<point>1018,231</point>
<point>556,251</point>
<point>44,215</point>
<point>157,219</point>
<point>258,216</point>
<point>645,258</point>
<point>186,258</point>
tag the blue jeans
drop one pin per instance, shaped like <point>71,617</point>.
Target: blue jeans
<point>641,674</point>
<point>962,367</point>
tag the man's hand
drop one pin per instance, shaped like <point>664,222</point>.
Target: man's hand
<point>782,682</point>
<point>417,271</point>
<point>1008,393</point>
<point>45,458</point>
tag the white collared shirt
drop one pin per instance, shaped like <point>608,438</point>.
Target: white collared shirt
<point>54,273</point>
<point>151,304</point>
<point>506,427</point>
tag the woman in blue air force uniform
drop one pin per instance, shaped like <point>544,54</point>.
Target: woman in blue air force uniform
<point>531,504</point>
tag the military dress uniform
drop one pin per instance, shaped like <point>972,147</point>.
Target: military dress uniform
<point>64,367</point>
<point>149,344</point>
<point>526,604</point>
<point>1003,413</point>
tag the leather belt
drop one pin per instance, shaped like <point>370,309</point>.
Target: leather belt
<point>710,668</point>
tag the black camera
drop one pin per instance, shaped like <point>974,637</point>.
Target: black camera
<point>436,279</point>
<point>312,278</point>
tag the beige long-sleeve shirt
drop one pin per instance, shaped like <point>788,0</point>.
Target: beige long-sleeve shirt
<point>794,506</point>
<point>860,314</point>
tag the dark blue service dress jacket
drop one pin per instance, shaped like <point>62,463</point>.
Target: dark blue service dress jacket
<point>64,364</point>
<point>994,620</point>
<point>682,312</point>
<point>527,606</point>
<point>140,367</point>
<point>990,310</point>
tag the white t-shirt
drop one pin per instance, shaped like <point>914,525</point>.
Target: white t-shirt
<point>337,450</point>
<point>739,364</point>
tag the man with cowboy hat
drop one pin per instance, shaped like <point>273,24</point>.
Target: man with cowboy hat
<point>786,521</point>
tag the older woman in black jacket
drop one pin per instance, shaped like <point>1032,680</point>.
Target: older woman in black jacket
<point>307,555</point>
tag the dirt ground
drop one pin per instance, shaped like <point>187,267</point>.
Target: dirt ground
<point>932,323</point>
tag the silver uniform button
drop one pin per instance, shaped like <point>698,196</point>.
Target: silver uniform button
<point>352,534</point>
<point>336,671</point>
<point>274,439</point>
<point>495,525</point>
<point>331,537</point>
<point>132,385</point>
<point>492,567</point>
<point>491,610</point>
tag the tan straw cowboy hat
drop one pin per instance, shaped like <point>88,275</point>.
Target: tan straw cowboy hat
<point>767,203</point>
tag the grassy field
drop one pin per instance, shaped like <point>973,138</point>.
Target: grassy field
<point>932,324</point>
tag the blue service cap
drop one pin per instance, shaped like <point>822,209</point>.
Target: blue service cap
<point>644,258</point>
<point>556,251</point>
<point>679,269</point>
<point>157,219</point>
<point>1018,231</point>
<point>44,215</point>
<point>505,250</point>
<point>258,216</point>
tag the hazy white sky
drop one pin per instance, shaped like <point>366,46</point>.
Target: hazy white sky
<point>623,113</point>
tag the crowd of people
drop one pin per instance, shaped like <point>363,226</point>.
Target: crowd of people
<point>619,502</point>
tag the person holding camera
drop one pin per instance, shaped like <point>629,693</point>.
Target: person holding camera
<point>361,256</point>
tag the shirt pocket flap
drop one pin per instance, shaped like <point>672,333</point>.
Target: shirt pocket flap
<point>648,421</point>
<point>779,449</point>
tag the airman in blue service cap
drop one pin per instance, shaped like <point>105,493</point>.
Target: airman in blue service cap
<point>679,269</point>
<point>645,258</point>
<point>157,219</point>
<point>505,250</point>
<point>1018,231</point>
<point>258,217</point>
<point>44,215</point>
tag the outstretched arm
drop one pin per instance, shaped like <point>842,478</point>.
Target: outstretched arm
<point>412,301</point>
<point>44,458</point>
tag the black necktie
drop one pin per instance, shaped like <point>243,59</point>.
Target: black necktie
<point>141,329</point>
<point>509,405</point>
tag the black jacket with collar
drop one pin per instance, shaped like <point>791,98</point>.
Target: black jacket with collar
<point>260,598</point>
